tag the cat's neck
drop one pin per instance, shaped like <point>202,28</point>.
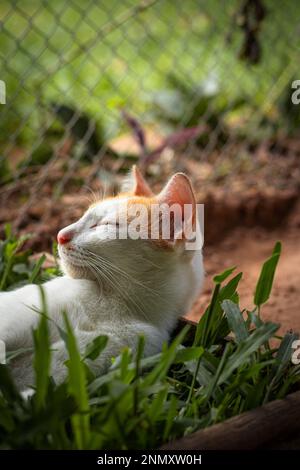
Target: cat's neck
<point>120,302</point>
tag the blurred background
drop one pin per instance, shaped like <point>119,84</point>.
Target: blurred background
<point>201,87</point>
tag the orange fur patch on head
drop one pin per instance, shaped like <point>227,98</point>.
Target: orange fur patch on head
<point>148,202</point>
<point>123,195</point>
<point>177,191</point>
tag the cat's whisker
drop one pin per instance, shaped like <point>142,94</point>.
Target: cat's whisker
<point>109,278</point>
<point>150,300</point>
<point>98,280</point>
<point>94,196</point>
<point>100,264</point>
<point>135,301</point>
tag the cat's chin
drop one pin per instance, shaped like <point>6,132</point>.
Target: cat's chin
<point>74,270</point>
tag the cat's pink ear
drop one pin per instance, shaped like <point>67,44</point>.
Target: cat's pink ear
<point>179,192</point>
<point>140,186</point>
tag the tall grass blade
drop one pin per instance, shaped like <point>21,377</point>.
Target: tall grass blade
<point>78,389</point>
<point>42,356</point>
<point>265,281</point>
<point>235,320</point>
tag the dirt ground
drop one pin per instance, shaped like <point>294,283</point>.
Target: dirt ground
<point>248,248</point>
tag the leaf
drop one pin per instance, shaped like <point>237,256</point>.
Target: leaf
<point>172,412</point>
<point>235,320</point>
<point>188,354</point>
<point>156,406</point>
<point>207,319</point>
<point>8,231</point>
<point>247,347</point>
<point>255,319</point>
<point>230,288</point>
<point>213,383</point>
<point>7,385</point>
<point>95,347</point>
<point>217,326</point>
<point>42,356</point>
<point>284,352</point>
<point>77,388</point>
<point>12,355</point>
<point>224,275</point>
<point>167,357</point>
<point>20,268</point>
<point>281,362</point>
<point>265,281</point>
<point>36,269</point>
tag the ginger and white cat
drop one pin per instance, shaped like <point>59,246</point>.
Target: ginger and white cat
<point>121,288</point>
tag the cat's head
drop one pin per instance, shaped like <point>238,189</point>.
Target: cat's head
<point>121,242</point>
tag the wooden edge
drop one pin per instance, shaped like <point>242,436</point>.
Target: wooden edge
<point>250,430</point>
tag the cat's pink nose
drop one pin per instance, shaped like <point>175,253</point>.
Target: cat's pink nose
<point>64,237</point>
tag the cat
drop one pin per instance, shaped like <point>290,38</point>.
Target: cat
<point>111,286</point>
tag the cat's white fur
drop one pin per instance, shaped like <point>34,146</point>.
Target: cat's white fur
<point>118,288</point>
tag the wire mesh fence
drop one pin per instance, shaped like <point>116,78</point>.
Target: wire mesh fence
<point>94,86</point>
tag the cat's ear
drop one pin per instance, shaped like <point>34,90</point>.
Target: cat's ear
<point>178,194</point>
<point>136,184</point>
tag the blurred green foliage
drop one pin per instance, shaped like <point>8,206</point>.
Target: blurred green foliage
<point>127,63</point>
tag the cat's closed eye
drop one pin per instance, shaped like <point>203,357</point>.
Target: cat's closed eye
<point>107,222</point>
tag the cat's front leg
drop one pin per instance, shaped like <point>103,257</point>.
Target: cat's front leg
<point>59,356</point>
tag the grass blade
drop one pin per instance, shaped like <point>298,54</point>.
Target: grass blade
<point>219,278</point>
<point>78,389</point>
<point>167,358</point>
<point>265,281</point>
<point>95,347</point>
<point>247,347</point>
<point>36,269</point>
<point>213,383</point>
<point>42,356</point>
<point>235,320</point>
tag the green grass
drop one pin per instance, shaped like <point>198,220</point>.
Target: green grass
<point>225,367</point>
<point>41,59</point>
<point>16,265</point>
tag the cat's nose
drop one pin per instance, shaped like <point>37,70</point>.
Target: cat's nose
<point>64,237</point>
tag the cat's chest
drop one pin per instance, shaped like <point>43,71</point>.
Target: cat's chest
<point>86,306</point>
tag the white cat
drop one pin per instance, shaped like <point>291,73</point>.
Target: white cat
<point>116,287</point>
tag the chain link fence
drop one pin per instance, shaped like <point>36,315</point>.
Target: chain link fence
<point>93,86</point>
